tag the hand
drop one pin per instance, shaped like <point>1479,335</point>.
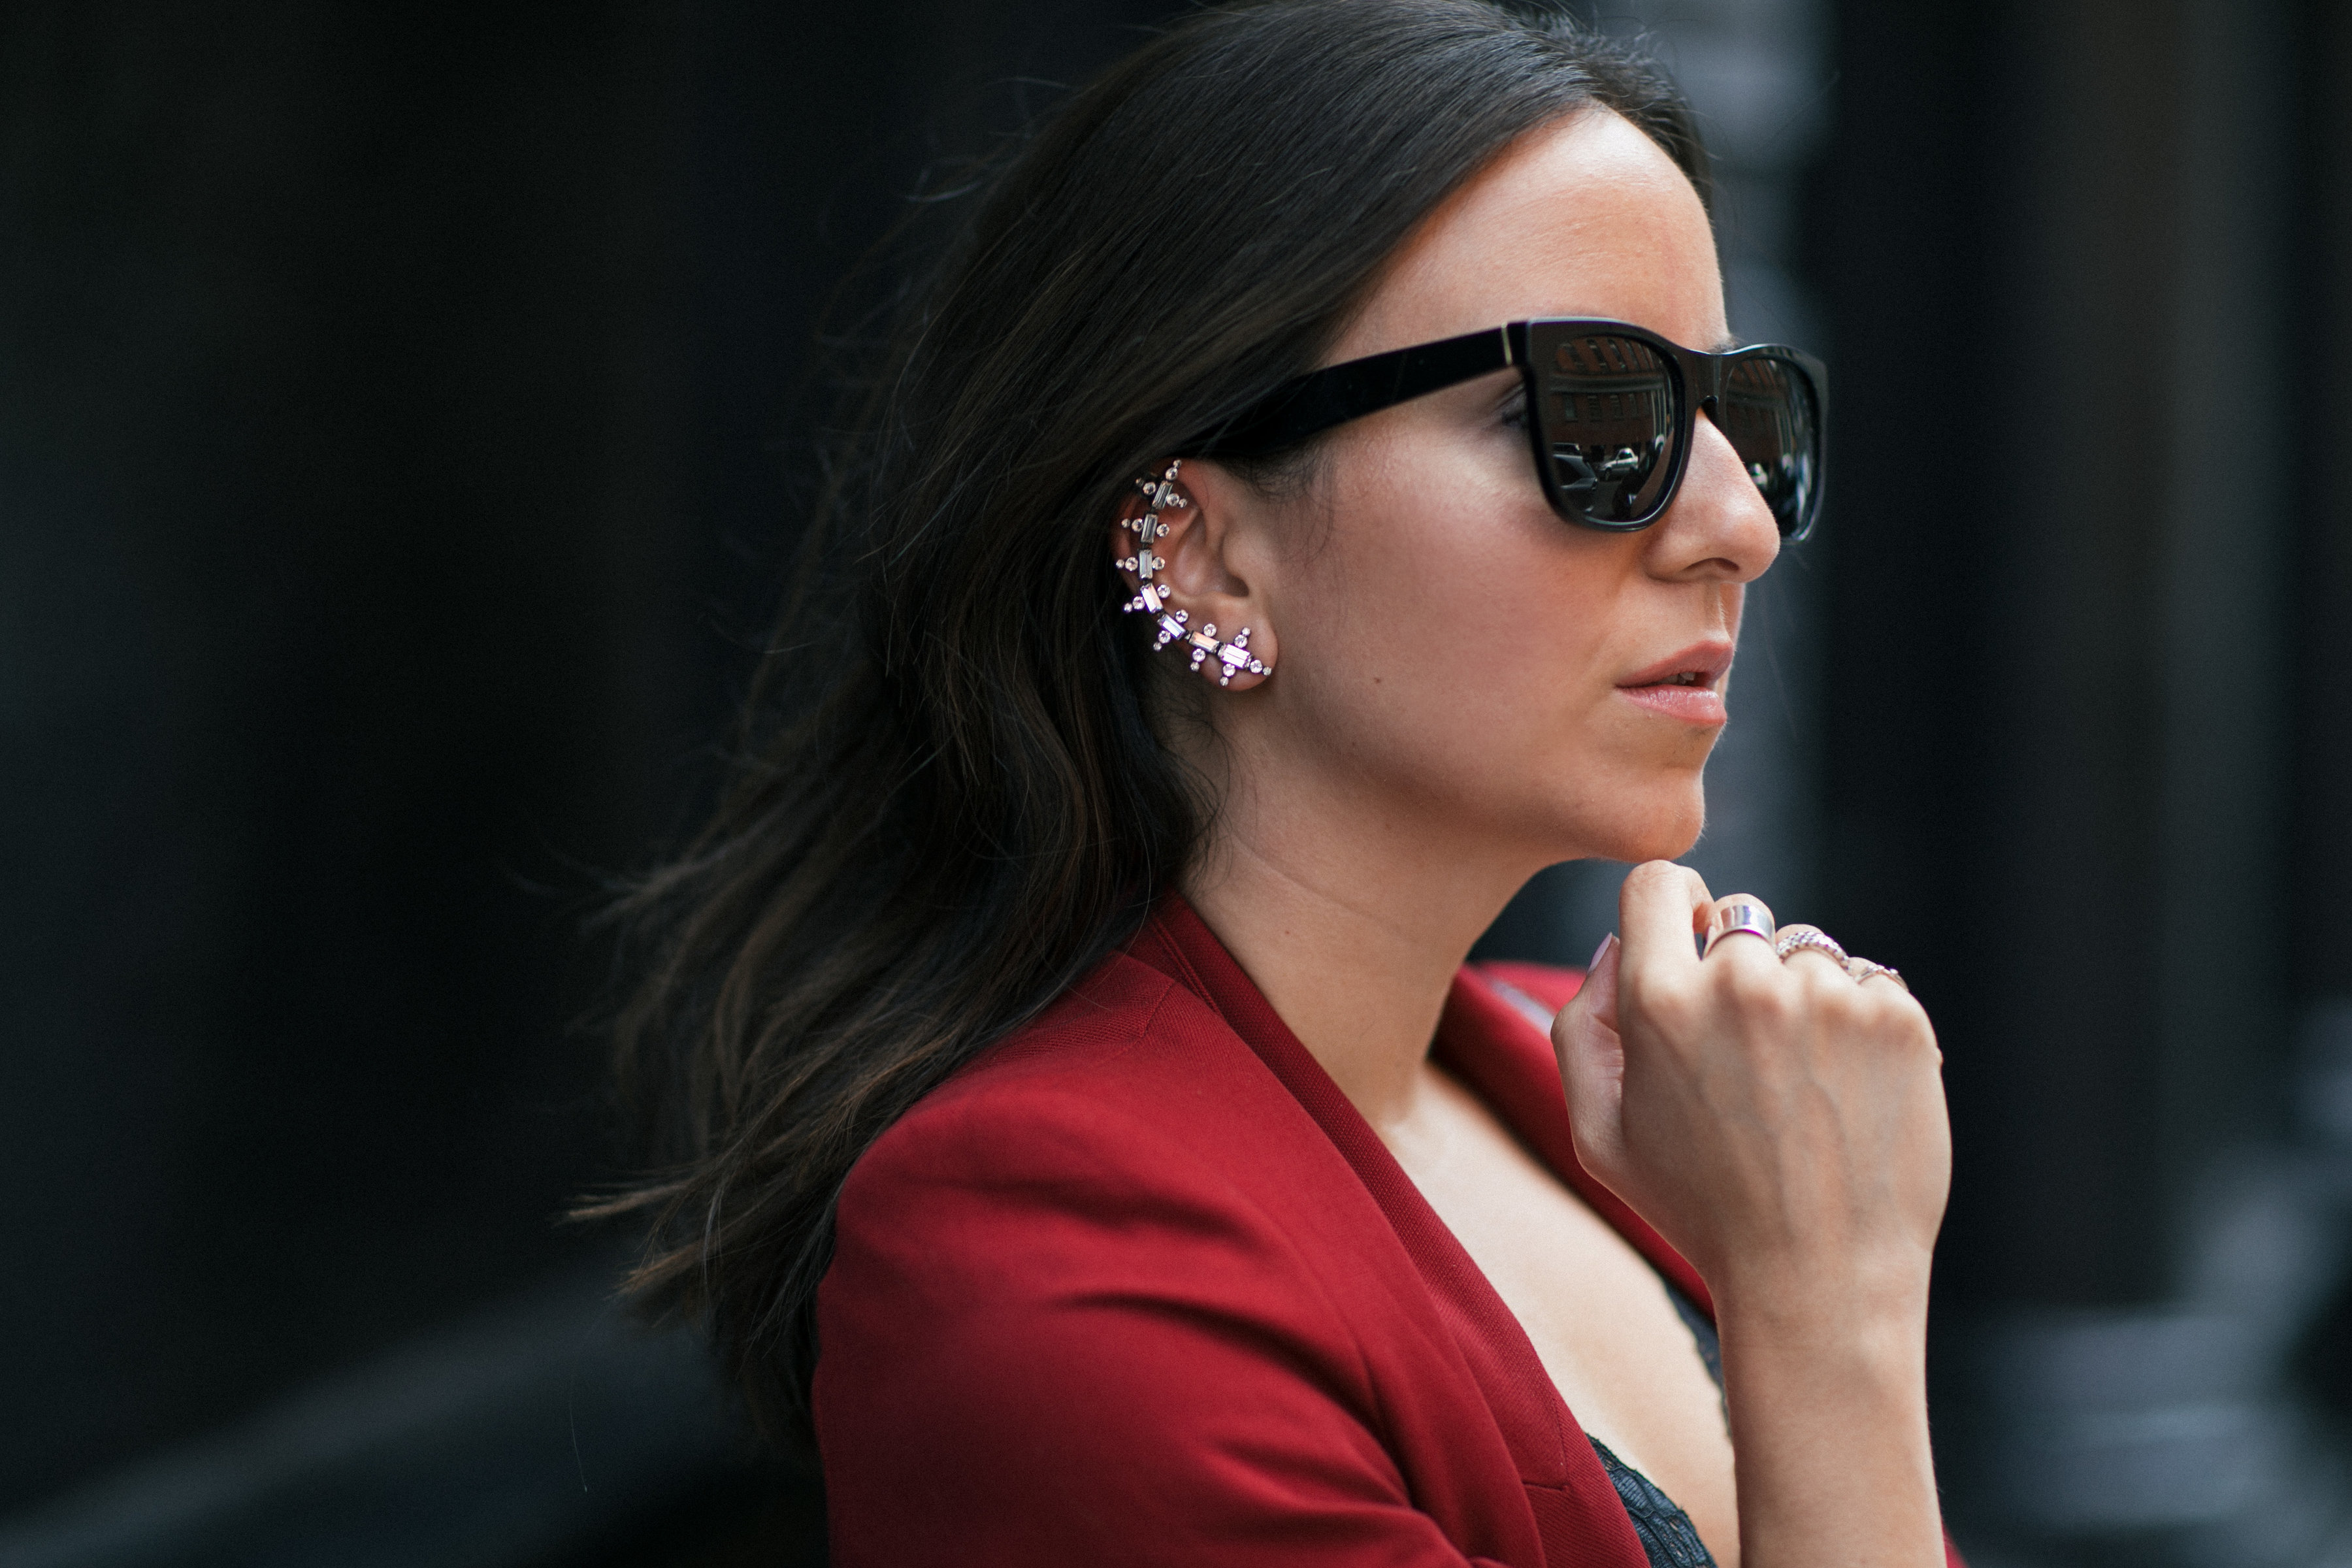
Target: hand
<point>1781,1125</point>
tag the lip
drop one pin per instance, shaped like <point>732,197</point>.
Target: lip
<point>1691,701</point>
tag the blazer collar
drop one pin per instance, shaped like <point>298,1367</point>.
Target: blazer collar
<point>1485,1039</point>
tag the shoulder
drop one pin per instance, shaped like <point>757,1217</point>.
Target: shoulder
<point>1128,1126</point>
<point>1127,1069</point>
<point>1113,1204</point>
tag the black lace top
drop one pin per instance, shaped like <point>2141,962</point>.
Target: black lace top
<point>1667,1536</point>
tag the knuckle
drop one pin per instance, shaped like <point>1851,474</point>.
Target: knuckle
<point>1643,991</point>
<point>1894,1020</point>
<point>1883,1004</point>
<point>1829,988</point>
<point>1870,1015</point>
<point>1761,993</point>
<point>1667,1004</point>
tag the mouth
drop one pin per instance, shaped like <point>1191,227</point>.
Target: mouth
<point>1686,685</point>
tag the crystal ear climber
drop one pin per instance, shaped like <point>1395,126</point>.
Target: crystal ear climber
<point>1232,658</point>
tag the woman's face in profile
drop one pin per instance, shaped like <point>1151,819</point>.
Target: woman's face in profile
<point>1445,641</point>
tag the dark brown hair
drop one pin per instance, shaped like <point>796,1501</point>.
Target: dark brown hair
<point>950,803</point>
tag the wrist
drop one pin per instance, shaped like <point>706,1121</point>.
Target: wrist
<point>1867,1335</point>
<point>1848,1292</point>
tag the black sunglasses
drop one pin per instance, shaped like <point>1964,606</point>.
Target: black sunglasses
<point>1610,412</point>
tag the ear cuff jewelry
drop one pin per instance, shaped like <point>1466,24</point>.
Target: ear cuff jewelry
<point>1231,659</point>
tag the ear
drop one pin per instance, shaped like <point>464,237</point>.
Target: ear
<point>1175,546</point>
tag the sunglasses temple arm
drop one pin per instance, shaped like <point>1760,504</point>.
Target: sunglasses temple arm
<point>1321,399</point>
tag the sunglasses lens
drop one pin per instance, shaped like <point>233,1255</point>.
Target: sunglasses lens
<point>1608,424</point>
<point>1770,416</point>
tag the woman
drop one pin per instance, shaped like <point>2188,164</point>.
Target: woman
<point>1076,1114</point>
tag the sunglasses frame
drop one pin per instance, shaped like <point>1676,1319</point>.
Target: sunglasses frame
<point>1308,404</point>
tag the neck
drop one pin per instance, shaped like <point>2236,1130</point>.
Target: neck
<point>1351,916</point>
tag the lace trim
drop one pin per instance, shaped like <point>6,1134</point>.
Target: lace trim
<point>1668,1538</point>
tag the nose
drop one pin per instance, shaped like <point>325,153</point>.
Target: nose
<point>1718,528</point>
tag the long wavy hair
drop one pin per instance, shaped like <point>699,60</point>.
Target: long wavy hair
<point>949,801</point>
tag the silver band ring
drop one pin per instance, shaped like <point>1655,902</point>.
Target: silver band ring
<point>1732,920</point>
<point>1792,941</point>
<point>1863,969</point>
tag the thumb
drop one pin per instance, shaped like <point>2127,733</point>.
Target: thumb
<point>1592,1060</point>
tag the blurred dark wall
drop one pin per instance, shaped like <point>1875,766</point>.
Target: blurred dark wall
<point>2086,265</point>
<point>2319,338</point>
<point>336,612</point>
<point>391,403</point>
<point>2086,584</point>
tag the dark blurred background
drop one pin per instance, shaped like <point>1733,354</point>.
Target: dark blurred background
<point>399,408</point>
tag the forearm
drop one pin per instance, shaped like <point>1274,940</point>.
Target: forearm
<point>1829,1428</point>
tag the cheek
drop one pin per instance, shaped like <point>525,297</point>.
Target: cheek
<point>1449,619</point>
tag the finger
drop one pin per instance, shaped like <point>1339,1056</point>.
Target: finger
<point>1596,998</point>
<point>1591,1056</point>
<point>1812,955</point>
<point>1658,910</point>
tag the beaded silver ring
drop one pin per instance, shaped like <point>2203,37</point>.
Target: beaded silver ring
<point>1790,942</point>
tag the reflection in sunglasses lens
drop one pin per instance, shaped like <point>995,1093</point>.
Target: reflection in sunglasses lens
<point>1767,416</point>
<point>1609,420</point>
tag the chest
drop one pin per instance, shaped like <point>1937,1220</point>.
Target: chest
<point>1597,1316</point>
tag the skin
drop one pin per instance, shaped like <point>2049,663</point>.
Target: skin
<point>1456,700</point>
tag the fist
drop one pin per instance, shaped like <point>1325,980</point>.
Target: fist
<point>1780,1123</point>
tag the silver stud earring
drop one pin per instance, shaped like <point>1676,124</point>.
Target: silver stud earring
<point>1231,659</point>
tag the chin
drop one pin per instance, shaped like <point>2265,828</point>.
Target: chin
<point>1661,825</point>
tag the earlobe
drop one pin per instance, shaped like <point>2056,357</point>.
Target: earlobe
<point>1221,661</point>
<point>1232,658</point>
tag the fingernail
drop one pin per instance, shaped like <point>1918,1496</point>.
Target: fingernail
<point>1600,951</point>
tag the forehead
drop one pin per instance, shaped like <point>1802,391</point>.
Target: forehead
<point>1586,216</point>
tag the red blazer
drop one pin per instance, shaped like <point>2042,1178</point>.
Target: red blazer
<point>1139,1285</point>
